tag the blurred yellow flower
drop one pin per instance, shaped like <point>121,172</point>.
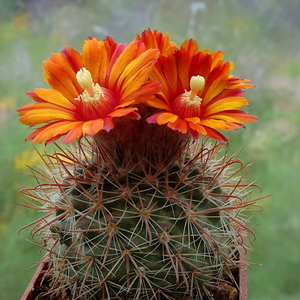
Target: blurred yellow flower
<point>27,158</point>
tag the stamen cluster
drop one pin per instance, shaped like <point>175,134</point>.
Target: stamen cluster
<point>92,91</point>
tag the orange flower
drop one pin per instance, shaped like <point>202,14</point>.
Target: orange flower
<point>198,93</point>
<point>90,90</point>
<point>156,39</point>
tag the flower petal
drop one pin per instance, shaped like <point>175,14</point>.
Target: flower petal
<point>236,116</point>
<point>220,124</point>
<point>61,78</point>
<point>146,92</point>
<point>122,112</point>
<point>214,134</point>
<point>120,59</point>
<point>92,127</point>
<point>55,97</point>
<point>96,56</point>
<point>75,133</point>
<point>51,130</point>
<point>38,116</point>
<point>156,39</point>
<point>226,104</point>
<point>73,57</point>
<point>179,125</point>
<point>198,127</point>
<point>164,118</point>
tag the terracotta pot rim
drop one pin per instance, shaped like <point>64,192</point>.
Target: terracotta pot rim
<point>35,280</point>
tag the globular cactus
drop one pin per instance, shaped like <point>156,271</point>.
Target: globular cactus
<point>172,233</point>
<point>138,210</point>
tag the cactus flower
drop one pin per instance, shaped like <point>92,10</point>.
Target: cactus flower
<point>90,90</point>
<point>198,94</point>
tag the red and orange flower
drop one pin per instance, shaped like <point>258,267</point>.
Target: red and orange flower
<point>156,39</point>
<point>90,89</point>
<point>191,89</point>
<point>198,93</point>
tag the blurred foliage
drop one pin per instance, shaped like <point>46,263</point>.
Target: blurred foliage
<point>262,38</point>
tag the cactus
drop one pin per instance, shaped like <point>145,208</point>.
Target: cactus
<point>141,211</point>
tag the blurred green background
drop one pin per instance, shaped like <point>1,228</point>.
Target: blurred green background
<point>262,38</point>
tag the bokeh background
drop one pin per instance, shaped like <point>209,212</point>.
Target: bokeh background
<point>262,38</point>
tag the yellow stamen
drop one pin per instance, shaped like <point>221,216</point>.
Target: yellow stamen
<point>92,91</point>
<point>191,97</point>
<point>196,84</point>
<point>85,80</point>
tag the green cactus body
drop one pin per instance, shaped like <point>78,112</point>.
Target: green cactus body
<point>172,233</point>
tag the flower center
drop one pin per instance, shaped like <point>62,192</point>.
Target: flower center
<point>92,91</point>
<point>190,98</point>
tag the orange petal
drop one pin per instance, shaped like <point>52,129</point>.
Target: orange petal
<point>122,112</point>
<point>73,57</point>
<point>36,132</point>
<point>55,97</point>
<point>158,103</point>
<point>55,138</point>
<point>135,82</point>
<point>239,83</point>
<point>214,134</point>
<point>220,124</point>
<point>170,73</point>
<point>73,134</point>
<point>135,68</point>
<point>179,124</point>
<point>237,116</point>
<point>69,65</point>
<point>64,126</point>
<point>190,46</point>
<point>54,129</point>
<point>39,116</point>
<point>156,39</point>
<point>217,57</point>
<point>226,104</point>
<point>121,58</point>
<point>95,59</point>
<point>92,127</point>
<point>29,108</point>
<point>61,81</point>
<point>194,120</point>
<point>34,97</point>
<point>197,127</point>
<point>214,89</point>
<point>146,92</point>
<point>201,64</point>
<point>164,118</point>
<point>157,75</point>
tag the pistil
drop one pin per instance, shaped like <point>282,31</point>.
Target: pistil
<point>190,97</point>
<point>92,91</point>
<point>196,84</point>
